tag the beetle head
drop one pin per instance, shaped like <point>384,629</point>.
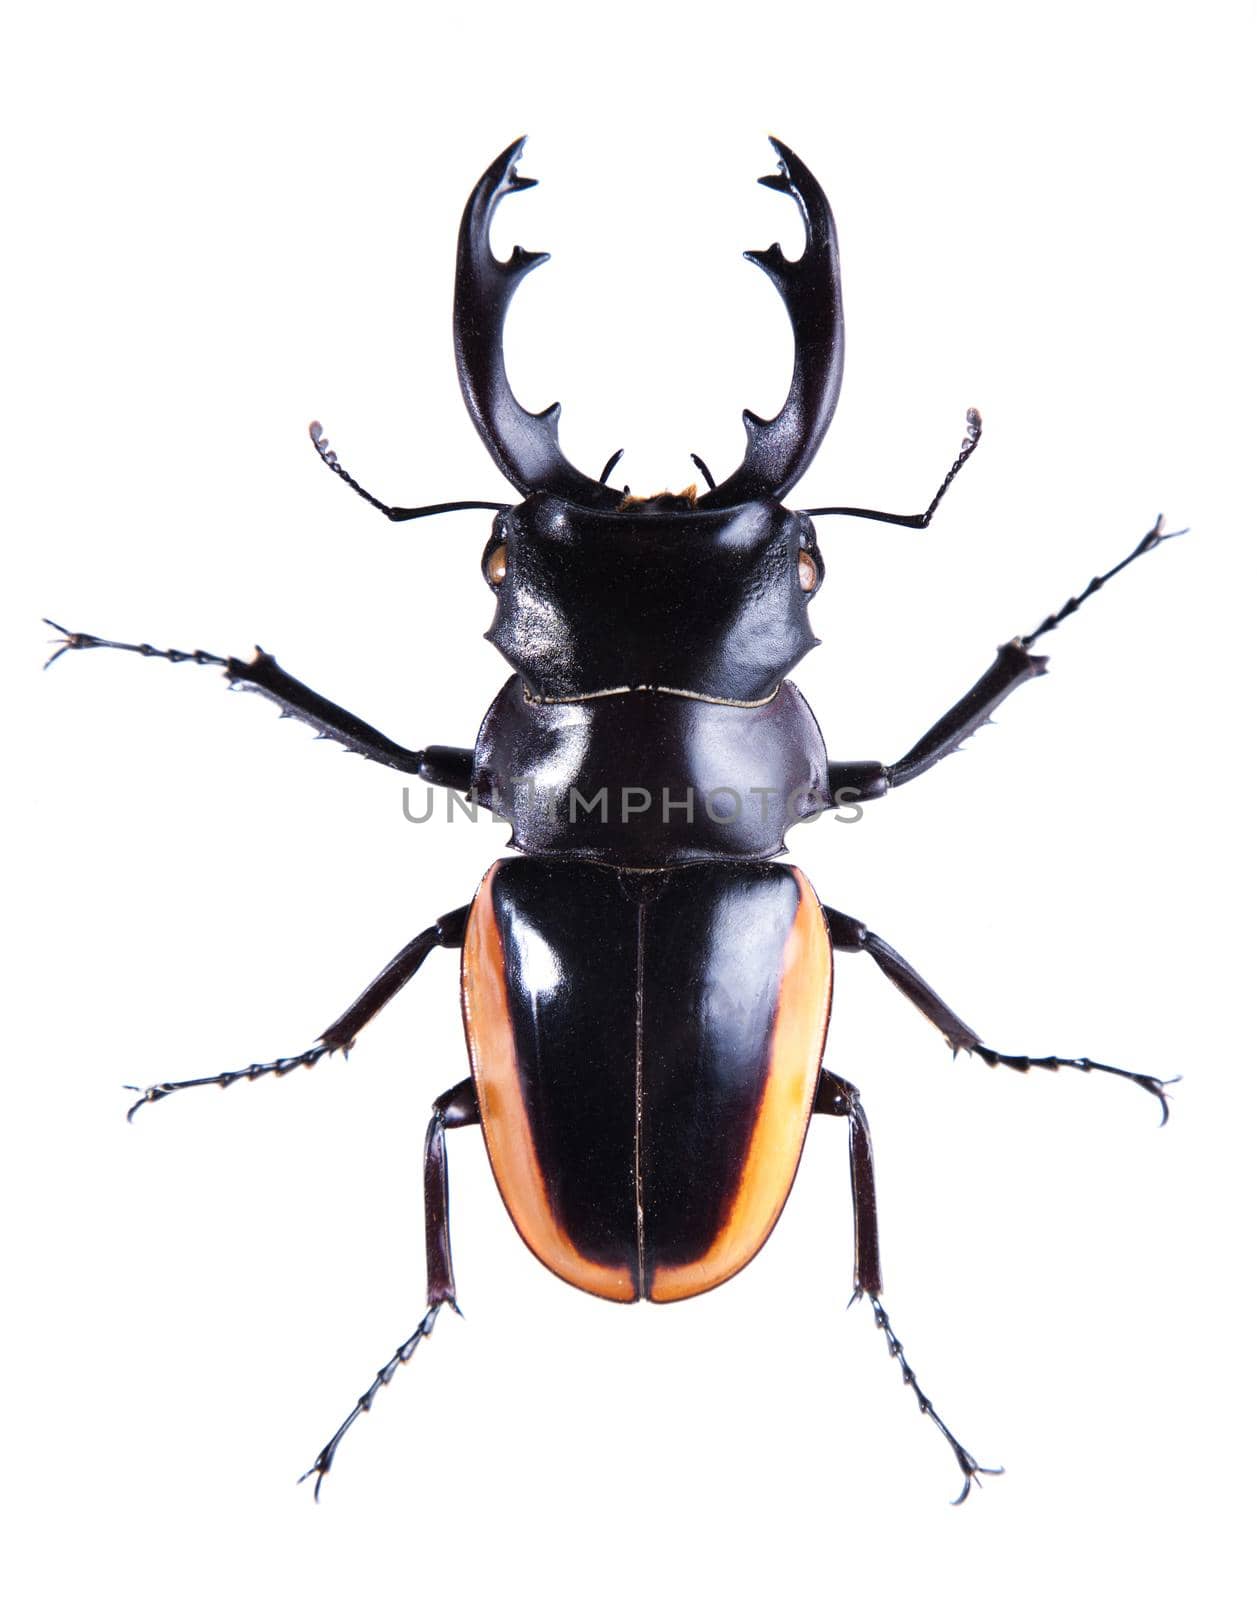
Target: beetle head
<point>706,603</point>
<point>599,591</point>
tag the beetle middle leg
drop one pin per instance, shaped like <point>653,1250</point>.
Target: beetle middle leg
<point>456,1108</point>
<point>445,933</point>
<point>835,1097</point>
<point>849,935</point>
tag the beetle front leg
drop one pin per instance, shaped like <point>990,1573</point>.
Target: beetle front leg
<point>855,781</point>
<point>849,935</point>
<point>456,1108</point>
<point>445,933</point>
<point>835,1097</point>
<point>446,765</point>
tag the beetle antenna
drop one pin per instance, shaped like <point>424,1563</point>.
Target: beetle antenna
<point>973,433</point>
<point>704,469</point>
<point>393,513</point>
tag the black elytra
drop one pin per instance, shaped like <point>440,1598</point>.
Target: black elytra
<point>645,990</point>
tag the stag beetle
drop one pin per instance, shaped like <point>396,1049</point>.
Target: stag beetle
<point>645,992</point>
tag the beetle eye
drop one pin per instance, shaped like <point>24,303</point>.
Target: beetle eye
<point>495,564</point>
<point>809,577</point>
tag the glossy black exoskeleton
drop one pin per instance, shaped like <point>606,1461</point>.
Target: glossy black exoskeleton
<point>645,990</point>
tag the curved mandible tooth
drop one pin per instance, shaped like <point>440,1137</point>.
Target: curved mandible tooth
<point>794,179</point>
<point>773,263</point>
<point>520,262</point>
<point>524,444</point>
<point>778,450</point>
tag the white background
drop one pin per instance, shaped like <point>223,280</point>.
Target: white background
<point>225,220</point>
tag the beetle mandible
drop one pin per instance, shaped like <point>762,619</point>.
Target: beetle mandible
<point>645,992</point>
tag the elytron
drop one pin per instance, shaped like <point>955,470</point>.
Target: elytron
<point>645,989</point>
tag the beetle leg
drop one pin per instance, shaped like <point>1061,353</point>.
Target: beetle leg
<point>967,1463</point>
<point>835,1097</point>
<point>446,765</point>
<point>1155,535</point>
<point>854,781</point>
<point>446,933</point>
<point>848,934</point>
<point>456,1108</point>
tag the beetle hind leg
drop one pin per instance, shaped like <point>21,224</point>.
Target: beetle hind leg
<point>323,1461</point>
<point>836,1097</point>
<point>456,1108</point>
<point>966,1462</point>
